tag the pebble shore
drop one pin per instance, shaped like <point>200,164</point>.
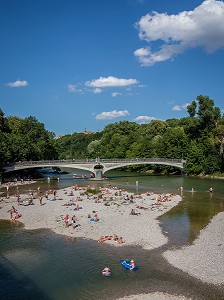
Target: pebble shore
<point>204,259</point>
<point>113,212</point>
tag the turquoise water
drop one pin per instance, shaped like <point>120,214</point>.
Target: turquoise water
<point>39,264</point>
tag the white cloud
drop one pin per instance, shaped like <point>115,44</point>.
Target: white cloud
<point>108,115</point>
<point>72,88</point>
<point>202,27</point>
<point>115,94</point>
<point>18,83</point>
<point>144,119</point>
<point>110,81</point>
<point>180,107</point>
<point>97,91</point>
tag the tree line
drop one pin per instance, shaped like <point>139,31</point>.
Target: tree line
<point>198,138</point>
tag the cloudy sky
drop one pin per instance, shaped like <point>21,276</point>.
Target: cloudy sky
<point>82,64</point>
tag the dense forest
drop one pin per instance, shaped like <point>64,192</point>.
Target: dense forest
<point>198,138</point>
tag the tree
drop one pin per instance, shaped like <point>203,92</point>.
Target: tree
<point>208,115</point>
<point>117,139</point>
<point>175,143</point>
<point>94,148</point>
<point>29,140</point>
<point>195,159</point>
<point>191,108</point>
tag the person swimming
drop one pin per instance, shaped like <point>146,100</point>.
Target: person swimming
<point>106,271</point>
<point>132,264</point>
<point>211,189</point>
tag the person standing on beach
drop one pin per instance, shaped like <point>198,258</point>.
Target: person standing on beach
<point>41,199</point>
<point>73,221</point>
<point>18,199</point>
<point>54,194</point>
<point>66,220</point>
<point>7,188</point>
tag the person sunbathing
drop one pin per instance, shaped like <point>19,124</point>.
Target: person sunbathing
<point>105,238</point>
<point>102,239</point>
<point>134,213</point>
<point>79,198</point>
<point>141,207</point>
<point>16,217</point>
<point>120,240</point>
<point>96,219</point>
<point>115,237</point>
<point>11,211</point>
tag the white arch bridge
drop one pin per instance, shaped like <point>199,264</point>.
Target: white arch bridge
<point>98,167</point>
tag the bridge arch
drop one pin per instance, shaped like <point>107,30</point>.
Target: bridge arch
<point>98,166</point>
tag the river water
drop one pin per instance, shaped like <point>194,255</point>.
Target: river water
<point>39,264</point>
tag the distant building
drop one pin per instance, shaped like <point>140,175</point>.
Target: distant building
<point>88,132</point>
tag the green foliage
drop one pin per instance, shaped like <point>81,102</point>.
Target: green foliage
<point>94,148</point>
<point>191,108</point>
<point>26,139</point>
<point>76,145</point>
<point>195,159</point>
<point>198,138</point>
<point>175,143</point>
<point>92,191</point>
<point>117,139</point>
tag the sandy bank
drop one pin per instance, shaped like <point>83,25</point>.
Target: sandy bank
<point>154,296</point>
<point>204,259</point>
<point>113,212</point>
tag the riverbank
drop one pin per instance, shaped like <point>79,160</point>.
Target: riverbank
<point>154,296</point>
<point>112,211</point>
<point>204,259</point>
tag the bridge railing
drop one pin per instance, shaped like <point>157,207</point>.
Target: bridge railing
<point>91,161</point>
<point>49,162</point>
<point>129,160</point>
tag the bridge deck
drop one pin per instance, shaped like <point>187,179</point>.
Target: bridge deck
<point>93,165</point>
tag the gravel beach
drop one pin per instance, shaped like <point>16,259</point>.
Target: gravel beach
<point>154,296</point>
<point>204,259</point>
<point>113,211</point>
<point>103,218</point>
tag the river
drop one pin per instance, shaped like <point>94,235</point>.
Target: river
<point>39,264</point>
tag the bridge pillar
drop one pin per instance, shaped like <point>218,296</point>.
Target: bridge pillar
<point>98,171</point>
<point>98,174</point>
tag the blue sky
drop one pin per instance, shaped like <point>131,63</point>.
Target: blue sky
<point>82,64</point>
